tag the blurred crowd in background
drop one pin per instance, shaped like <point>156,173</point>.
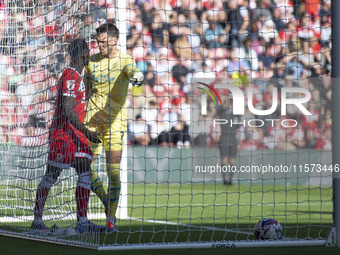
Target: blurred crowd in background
<point>259,43</point>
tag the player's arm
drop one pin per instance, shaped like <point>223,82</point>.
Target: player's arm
<point>89,90</point>
<point>88,84</point>
<point>68,102</point>
<point>132,71</point>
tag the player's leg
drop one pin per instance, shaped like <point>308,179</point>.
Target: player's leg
<point>232,159</point>
<point>97,185</point>
<point>51,175</point>
<point>114,138</point>
<point>60,157</point>
<point>83,169</point>
<point>230,174</point>
<point>113,159</point>
<point>93,123</point>
<point>224,162</point>
<point>224,154</point>
<point>224,159</point>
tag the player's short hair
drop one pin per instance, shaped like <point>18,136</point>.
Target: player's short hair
<point>108,28</point>
<point>77,47</point>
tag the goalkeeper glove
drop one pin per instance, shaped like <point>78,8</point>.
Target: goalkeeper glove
<point>137,80</point>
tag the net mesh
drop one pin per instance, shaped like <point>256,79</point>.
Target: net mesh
<point>179,137</point>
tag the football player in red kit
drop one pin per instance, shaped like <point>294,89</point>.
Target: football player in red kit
<point>68,140</point>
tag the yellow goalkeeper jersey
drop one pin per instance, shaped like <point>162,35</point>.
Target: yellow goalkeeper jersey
<point>109,79</point>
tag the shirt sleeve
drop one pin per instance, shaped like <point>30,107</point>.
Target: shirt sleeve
<point>130,67</point>
<point>70,83</point>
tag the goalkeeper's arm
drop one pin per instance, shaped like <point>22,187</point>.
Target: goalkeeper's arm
<point>89,91</point>
<point>132,71</point>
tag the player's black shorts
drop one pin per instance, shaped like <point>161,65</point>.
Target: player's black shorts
<point>228,150</point>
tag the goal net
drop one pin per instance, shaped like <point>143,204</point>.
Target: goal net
<point>232,124</point>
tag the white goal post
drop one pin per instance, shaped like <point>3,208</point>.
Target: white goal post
<point>120,15</point>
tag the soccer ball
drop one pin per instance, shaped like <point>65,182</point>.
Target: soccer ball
<point>268,228</point>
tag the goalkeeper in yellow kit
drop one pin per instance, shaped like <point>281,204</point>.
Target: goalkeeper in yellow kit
<point>108,76</point>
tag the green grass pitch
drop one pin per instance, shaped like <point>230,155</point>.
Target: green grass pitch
<point>192,212</point>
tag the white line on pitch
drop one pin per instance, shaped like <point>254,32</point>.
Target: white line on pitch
<point>193,226</point>
<point>71,216</point>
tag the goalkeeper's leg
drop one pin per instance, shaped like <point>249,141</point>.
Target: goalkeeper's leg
<point>113,159</point>
<point>114,145</point>
<point>113,171</point>
<point>98,188</point>
<point>96,183</point>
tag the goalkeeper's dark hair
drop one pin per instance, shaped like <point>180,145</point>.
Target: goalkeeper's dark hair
<point>108,28</point>
<point>77,47</point>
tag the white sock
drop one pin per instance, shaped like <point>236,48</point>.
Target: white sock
<point>82,219</point>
